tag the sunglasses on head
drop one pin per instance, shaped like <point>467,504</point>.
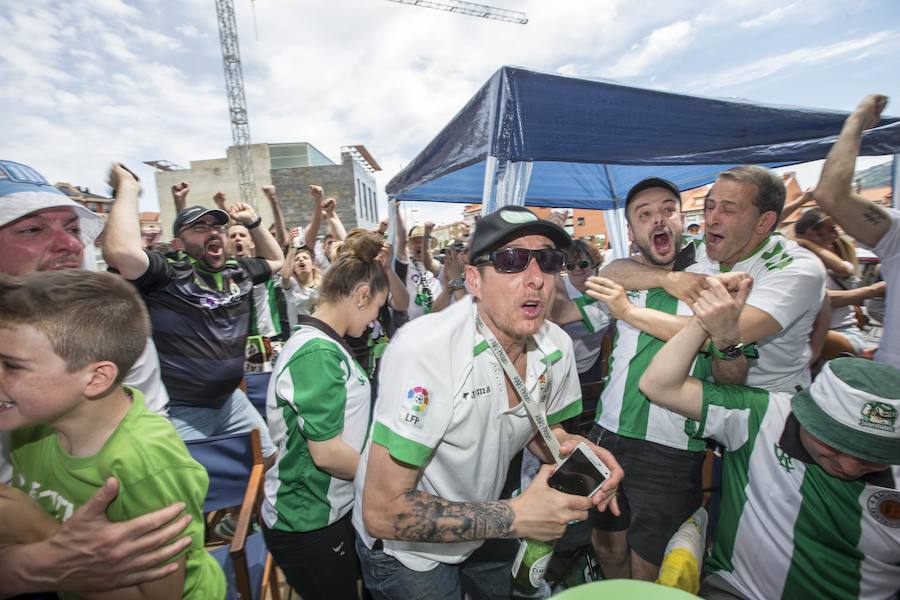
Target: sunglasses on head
<point>515,260</point>
<point>579,264</point>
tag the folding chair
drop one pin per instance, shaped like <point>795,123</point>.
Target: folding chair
<point>235,466</point>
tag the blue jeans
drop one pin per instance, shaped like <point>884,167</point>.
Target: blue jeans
<point>387,578</point>
<point>236,416</point>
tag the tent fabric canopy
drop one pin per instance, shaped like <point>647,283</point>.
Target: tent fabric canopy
<point>589,141</point>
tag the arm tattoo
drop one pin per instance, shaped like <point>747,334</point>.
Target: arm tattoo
<point>874,215</point>
<point>428,518</point>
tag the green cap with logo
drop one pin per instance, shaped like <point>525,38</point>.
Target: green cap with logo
<point>854,407</point>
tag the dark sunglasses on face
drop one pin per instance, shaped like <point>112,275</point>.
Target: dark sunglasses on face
<point>515,260</point>
<point>202,227</point>
<point>580,264</point>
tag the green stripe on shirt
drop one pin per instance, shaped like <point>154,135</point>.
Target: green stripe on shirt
<point>404,450</point>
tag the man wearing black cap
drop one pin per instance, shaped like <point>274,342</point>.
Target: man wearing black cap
<point>199,304</point>
<point>656,447</point>
<point>447,423</point>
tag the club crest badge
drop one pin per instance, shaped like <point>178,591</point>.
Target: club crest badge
<point>878,415</point>
<point>884,506</point>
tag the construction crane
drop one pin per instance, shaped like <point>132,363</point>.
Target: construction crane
<point>237,101</point>
<point>471,9</point>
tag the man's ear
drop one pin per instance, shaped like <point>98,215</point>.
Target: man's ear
<point>177,244</point>
<point>766,222</point>
<point>101,378</point>
<point>473,281</point>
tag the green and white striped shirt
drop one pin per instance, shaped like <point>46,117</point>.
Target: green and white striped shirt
<point>786,528</point>
<point>319,392</point>
<point>623,409</point>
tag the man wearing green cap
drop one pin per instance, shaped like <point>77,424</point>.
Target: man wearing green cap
<point>810,501</point>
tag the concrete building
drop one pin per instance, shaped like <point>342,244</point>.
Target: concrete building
<point>291,168</point>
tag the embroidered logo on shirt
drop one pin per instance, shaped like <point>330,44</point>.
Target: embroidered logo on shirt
<point>884,506</point>
<point>416,406</point>
<point>878,415</point>
<point>784,459</point>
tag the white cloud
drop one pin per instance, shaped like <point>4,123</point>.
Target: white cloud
<point>83,83</point>
<point>848,50</point>
<point>661,44</point>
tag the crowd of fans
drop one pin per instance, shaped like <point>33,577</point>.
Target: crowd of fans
<point>393,386</point>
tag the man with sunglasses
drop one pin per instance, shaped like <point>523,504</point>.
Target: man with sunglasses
<point>199,303</point>
<point>447,424</point>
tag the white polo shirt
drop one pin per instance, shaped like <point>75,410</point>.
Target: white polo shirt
<point>444,408</point>
<point>888,250</point>
<point>789,285</point>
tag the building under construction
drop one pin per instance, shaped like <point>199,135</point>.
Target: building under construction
<point>291,168</point>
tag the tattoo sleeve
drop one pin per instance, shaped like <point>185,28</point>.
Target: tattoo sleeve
<point>432,519</point>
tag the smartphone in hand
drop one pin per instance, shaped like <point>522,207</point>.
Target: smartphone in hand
<point>581,473</point>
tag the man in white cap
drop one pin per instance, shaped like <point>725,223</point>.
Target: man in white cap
<point>43,229</point>
<point>810,500</point>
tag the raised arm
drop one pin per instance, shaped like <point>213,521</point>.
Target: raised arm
<point>401,252</point>
<point>335,225</point>
<point>399,295</point>
<point>860,218</point>
<point>180,192</point>
<point>280,232</point>
<point>122,247</point>
<point>792,206</point>
<point>832,261</point>
<point>428,257</point>
<point>315,220</point>
<point>266,246</point>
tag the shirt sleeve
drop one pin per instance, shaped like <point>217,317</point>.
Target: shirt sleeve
<point>415,400</point>
<point>565,390</point>
<point>788,291</point>
<point>256,268</point>
<point>889,245</point>
<point>314,385</point>
<point>158,274</point>
<point>594,315</point>
<point>732,414</point>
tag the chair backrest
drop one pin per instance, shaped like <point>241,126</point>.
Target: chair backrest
<point>228,460</point>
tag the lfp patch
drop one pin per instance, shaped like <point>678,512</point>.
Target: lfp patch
<point>416,406</point>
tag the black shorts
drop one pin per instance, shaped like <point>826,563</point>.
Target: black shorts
<point>662,487</point>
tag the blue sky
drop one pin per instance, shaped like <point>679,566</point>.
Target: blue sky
<point>85,83</point>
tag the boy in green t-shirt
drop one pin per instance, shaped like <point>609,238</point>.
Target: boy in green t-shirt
<point>67,338</point>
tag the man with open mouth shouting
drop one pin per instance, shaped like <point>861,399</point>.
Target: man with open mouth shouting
<point>199,302</point>
<point>655,446</point>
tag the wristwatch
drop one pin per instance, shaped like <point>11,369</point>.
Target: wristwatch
<point>728,352</point>
<point>457,284</point>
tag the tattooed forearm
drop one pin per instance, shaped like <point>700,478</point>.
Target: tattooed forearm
<point>428,518</point>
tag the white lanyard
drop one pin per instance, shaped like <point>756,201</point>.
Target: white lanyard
<point>534,408</point>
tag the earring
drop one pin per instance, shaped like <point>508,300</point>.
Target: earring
<point>361,306</point>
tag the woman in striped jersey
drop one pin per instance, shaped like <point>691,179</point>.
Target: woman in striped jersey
<point>318,412</point>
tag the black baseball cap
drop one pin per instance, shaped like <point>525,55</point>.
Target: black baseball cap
<point>509,223</point>
<point>192,213</point>
<point>652,182</point>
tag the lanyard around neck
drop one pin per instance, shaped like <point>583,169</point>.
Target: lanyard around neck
<point>534,408</point>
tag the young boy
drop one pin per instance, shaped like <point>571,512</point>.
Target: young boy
<point>67,339</point>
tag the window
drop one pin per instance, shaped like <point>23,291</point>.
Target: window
<point>580,221</point>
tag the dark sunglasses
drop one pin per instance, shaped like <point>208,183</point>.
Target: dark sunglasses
<point>581,264</point>
<point>515,260</point>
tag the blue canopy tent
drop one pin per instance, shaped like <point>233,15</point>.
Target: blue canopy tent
<point>544,139</point>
